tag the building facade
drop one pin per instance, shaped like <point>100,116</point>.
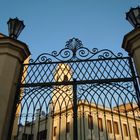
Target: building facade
<point>93,123</point>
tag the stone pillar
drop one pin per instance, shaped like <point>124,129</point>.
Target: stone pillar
<point>131,44</point>
<point>12,55</point>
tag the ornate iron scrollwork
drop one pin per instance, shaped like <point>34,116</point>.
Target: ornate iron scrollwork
<point>73,51</point>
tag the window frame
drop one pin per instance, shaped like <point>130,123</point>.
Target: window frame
<point>27,136</point>
<point>135,131</point>
<point>125,130</point>
<point>109,126</point>
<point>90,121</point>
<point>116,127</point>
<point>67,127</point>
<point>42,135</point>
<point>100,124</point>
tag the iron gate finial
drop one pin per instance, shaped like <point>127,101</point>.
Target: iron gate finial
<point>74,44</point>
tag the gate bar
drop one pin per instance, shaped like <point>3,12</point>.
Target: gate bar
<point>101,81</point>
<point>75,135</point>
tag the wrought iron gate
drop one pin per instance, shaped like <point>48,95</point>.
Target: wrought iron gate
<point>78,94</point>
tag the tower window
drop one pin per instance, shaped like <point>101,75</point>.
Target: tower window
<point>65,78</point>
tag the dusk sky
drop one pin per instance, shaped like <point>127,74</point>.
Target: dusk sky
<point>50,23</point>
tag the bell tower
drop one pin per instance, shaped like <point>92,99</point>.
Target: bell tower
<point>62,94</point>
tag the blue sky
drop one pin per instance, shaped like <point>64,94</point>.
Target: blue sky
<point>50,23</point>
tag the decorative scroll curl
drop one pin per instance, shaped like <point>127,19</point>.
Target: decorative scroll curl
<point>73,51</point>
<point>45,57</point>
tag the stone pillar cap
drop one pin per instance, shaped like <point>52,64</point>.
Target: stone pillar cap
<point>2,35</point>
<point>130,39</point>
<point>10,43</point>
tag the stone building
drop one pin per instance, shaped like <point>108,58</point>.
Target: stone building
<point>93,123</point>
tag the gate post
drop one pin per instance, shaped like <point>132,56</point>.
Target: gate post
<point>131,44</point>
<point>12,55</point>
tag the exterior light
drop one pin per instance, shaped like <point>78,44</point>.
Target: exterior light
<point>15,27</point>
<point>133,16</point>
